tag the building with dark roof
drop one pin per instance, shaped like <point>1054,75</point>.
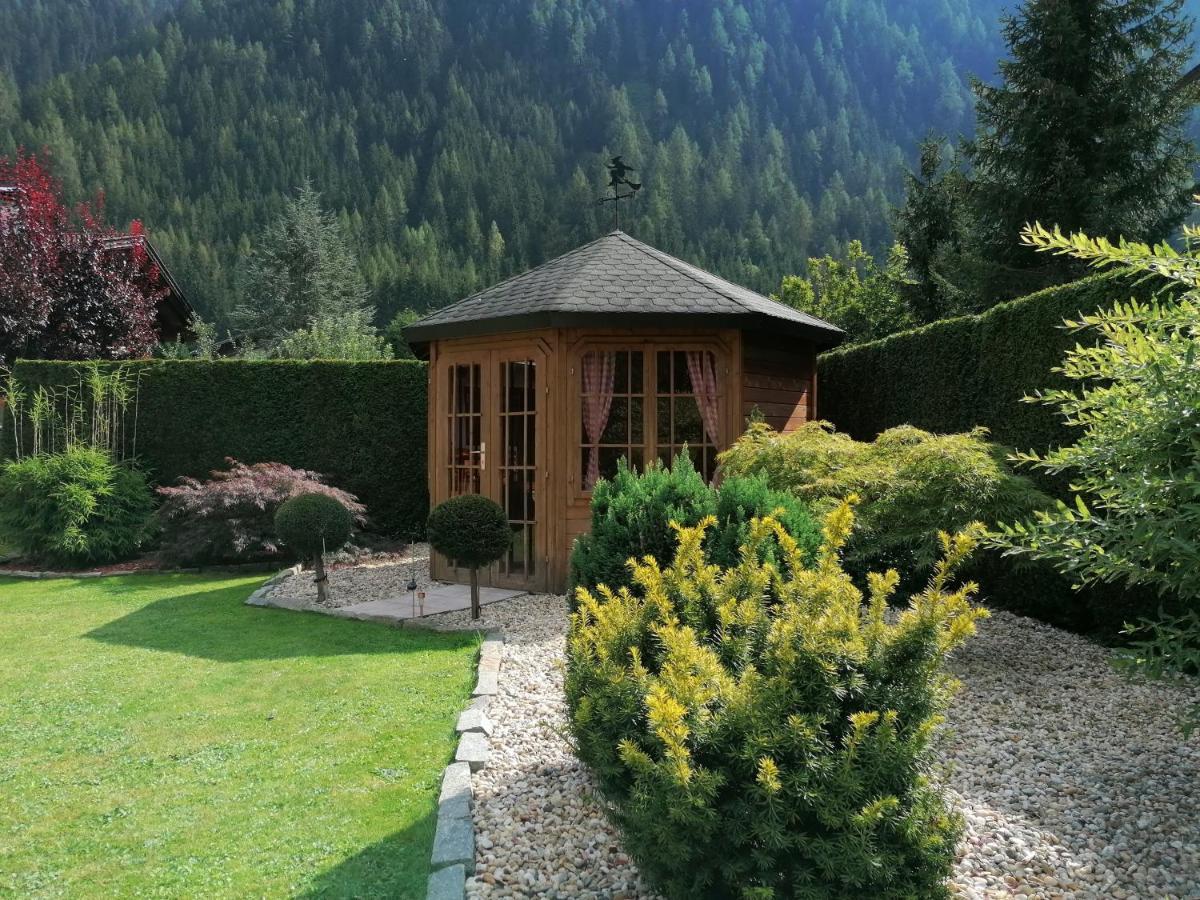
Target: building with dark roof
<point>173,313</point>
<point>541,383</point>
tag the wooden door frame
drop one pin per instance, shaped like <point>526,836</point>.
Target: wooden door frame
<point>489,356</point>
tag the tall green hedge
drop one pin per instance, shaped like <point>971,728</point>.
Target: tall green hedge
<point>958,373</point>
<point>362,425</point>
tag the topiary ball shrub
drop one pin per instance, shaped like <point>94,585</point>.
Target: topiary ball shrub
<point>313,524</point>
<point>474,532</point>
<point>760,732</point>
<point>74,508</point>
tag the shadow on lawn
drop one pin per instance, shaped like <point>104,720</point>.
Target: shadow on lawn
<point>374,871</point>
<point>216,624</point>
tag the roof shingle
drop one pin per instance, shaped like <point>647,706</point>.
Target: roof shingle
<point>614,276</point>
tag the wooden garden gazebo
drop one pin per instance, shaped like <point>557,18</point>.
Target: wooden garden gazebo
<point>539,384</point>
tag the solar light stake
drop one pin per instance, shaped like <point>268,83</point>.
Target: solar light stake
<point>412,576</point>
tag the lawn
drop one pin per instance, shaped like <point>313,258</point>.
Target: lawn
<point>160,738</point>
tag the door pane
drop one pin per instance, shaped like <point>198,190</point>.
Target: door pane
<point>464,419</point>
<point>518,467</point>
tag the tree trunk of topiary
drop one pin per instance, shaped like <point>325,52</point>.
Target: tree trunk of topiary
<point>475,593</point>
<point>322,579</point>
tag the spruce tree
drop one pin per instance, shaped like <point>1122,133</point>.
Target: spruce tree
<point>935,227</point>
<point>1085,131</point>
<point>301,271</point>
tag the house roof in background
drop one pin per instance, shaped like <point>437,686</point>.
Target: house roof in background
<point>616,282</point>
<point>174,312</point>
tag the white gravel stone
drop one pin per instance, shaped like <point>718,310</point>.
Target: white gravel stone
<point>361,582</point>
<point>1074,782</point>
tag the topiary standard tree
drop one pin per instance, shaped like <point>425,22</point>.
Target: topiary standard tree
<point>473,531</point>
<point>312,524</point>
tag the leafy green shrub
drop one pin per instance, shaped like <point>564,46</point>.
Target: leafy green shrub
<point>633,512</point>
<point>313,524</point>
<point>230,517</point>
<point>1135,467</point>
<point>474,532</point>
<point>911,484</point>
<point>758,731</point>
<point>74,508</point>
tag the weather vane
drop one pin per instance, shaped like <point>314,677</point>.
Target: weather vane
<point>618,177</point>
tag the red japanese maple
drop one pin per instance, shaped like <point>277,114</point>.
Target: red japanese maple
<point>71,286</point>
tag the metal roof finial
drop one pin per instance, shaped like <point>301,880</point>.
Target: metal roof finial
<point>618,177</point>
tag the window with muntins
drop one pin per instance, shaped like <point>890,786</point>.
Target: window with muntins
<point>647,403</point>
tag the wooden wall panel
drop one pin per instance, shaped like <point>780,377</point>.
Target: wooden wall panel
<point>778,380</point>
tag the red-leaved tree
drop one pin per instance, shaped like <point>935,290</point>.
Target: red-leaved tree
<point>71,286</point>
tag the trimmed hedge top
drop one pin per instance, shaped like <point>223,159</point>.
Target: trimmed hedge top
<point>360,424</point>
<point>956,374</point>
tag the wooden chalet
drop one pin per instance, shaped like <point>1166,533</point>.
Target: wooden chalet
<point>541,383</point>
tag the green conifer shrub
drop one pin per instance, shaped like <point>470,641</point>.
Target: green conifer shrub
<point>76,507</point>
<point>760,732</point>
<point>632,515</point>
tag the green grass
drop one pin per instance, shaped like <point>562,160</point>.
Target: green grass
<point>160,738</point>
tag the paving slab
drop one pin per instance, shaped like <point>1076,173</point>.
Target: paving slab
<point>439,598</point>
<point>473,750</point>
<point>454,843</point>
<point>474,720</point>
<point>449,883</point>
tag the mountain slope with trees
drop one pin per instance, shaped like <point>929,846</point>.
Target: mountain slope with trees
<point>459,142</point>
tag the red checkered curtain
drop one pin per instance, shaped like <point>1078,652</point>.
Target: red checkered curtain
<point>702,369</point>
<point>599,374</point>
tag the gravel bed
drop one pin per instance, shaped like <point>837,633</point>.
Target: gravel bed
<point>363,580</point>
<point>1074,782</point>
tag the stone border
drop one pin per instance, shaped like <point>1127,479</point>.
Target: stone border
<point>453,856</point>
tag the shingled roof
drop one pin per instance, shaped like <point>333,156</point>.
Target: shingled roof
<point>616,281</point>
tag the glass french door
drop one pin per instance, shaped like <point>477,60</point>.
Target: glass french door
<point>493,445</point>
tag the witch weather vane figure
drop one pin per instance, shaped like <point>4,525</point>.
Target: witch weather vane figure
<point>618,177</point>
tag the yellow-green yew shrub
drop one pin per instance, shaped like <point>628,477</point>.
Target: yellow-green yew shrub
<point>760,731</point>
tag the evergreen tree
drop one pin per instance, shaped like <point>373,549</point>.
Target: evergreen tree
<point>936,229</point>
<point>301,271</point>
<point>426,122</point>
<point>1085,132</point>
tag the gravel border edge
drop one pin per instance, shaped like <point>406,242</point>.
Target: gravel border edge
<point>453,857</point>
<point>259,597</point>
